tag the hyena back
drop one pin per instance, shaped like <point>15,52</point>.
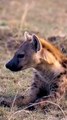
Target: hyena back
<point>50,79</point>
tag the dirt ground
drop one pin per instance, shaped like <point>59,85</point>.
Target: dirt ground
<point>44,17</point>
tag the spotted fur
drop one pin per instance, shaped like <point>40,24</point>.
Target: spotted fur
<point>50,77</point>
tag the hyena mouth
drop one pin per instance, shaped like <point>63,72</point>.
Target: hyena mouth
<point>16,69</point>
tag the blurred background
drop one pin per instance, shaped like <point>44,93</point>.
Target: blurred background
<point>46,18</point>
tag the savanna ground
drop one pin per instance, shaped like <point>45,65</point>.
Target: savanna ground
<point>43,17</point>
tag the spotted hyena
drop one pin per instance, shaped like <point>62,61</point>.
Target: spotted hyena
<point>50,78</point>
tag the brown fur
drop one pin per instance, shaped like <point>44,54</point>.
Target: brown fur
<point>55,51</point>
<point>50,77</point>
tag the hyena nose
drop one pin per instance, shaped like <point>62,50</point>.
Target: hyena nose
<point>13,65</point>
<point>8,65</point>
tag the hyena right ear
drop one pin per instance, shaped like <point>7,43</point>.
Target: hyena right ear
<point>36,43</point>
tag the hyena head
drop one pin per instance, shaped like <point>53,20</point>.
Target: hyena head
<point>28,54</point>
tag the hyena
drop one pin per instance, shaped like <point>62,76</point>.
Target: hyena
<point>50,77</point>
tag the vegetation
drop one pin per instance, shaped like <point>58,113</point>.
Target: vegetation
<point>45,18</point>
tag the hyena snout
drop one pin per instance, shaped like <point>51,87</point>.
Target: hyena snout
<point>13,65</point>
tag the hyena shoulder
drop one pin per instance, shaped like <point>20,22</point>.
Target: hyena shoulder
<point>44,70</point>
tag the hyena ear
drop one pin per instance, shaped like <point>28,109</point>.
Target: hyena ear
<point>36,43</point>
<point>27,36</point>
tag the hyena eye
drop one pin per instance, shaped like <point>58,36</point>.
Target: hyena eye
<point>20,55</point>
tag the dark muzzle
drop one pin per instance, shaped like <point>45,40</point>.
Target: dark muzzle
<point>13,65</point>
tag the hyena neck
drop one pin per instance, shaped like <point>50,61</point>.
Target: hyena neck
<point>49,71</point>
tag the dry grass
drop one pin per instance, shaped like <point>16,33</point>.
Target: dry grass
<point>45,18</point>
<point>35,104</point>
